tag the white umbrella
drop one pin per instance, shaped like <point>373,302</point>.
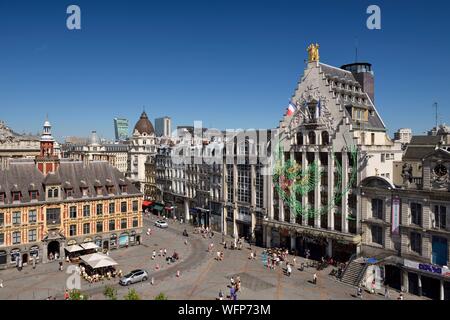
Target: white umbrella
<point>89,245</point>
<point>93,257</point>
<point>74,248</point>
<point>108,262</point>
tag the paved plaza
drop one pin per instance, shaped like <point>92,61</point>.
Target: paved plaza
<point>201,276</point>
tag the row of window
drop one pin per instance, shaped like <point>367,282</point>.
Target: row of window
<point>17,237</point>
<point>53,213</point>
<point>99,226</point>
<point>439,217</point>
<point>415,239</point>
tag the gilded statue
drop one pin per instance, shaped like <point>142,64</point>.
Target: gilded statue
<point>313,52</point>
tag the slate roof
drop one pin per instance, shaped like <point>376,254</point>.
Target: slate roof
<point>425,140</point>
<point>417,153</point>
<point>22,175</point>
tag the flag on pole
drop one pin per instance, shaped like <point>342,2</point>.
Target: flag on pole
<point>318,107</point>
<point>291,109</point>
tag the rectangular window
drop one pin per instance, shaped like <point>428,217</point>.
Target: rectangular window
<point>69,193</point>
<point>32,216</point>
<point>135,206</point>
<point>32,235</point>
<point>16,196</point>
<point>53,215</point>
<point>112,225</point>
<point>86,228</point>
<point>86,210</point>
<point>33,195</point>
<point>377,209</point>
<point>416,242</point>
<point>99,209</point>
<point>382,157</point>
<point>112,208</point>
<point>440,217</point>
<point>16,217</point>
<point>16,237</point>
<point>372,138</point>
<point>73,212</point>
<point>416,214</point>
<point>73,230</point>
<point>123,207</point>
<point>123,224</point>
<point>2,239</point>
<point>99,226</point>
<point>135,222</point>
<point>2,219</point>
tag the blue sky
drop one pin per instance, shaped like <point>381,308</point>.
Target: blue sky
<point>231,64</point>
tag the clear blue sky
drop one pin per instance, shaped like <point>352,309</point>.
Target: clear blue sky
<point>231,64</point>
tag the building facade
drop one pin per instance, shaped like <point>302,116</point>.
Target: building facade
<point>333,140</point>
<point>121,129</point>
<point>115,154</point>
<point>163,127</point>
<point>47,204</point>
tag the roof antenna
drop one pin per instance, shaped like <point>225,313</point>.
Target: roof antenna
<point>356,49</point>
<point>435,105</point>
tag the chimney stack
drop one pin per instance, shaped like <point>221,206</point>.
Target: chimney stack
<point>363,73</point>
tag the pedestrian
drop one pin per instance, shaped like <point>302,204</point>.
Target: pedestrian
<point>315,278</point>
<point>289,270</point>
<point>400,297</point>
<point>185,242</point>
<point>60,266</point>
<point>232,292</point>
<point>372,289</point>
<point>34,262</point>
<point>294,262</point>
<point>386,293</point>
<point>1,283</point>
<point>66,295</point>
<point>251,255</point>
<point>152,281</point>
<point>220,295</point>
<point>153,255</point>
<point>359,292</point>
<point>160,252</point>
<point>232,281</point>
<point>165,252</point>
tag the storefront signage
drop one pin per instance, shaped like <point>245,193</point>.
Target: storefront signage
<point>395,216</point>
<point>426,267</point>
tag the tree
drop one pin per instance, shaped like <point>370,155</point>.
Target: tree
<point>110,293</point>
<point>161,296</point>
<point>132,295</point>
<point>76,294</point>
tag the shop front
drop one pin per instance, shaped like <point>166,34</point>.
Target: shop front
<point>124,240</point>
<point>3,259</point>
<point>113,241</point>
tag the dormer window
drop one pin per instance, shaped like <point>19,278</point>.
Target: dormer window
<point>52,192</point>
<point>34,195</point>
<point>124,189</point>
<point>110,189</point>
<point>16,196</point>
<point>98,191</point>
<point>69,193</point>
<point>84,191</point>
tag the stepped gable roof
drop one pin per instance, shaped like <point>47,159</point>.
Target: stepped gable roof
<point>21,174</point>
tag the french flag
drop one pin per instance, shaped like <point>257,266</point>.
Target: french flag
<point>291,109</point>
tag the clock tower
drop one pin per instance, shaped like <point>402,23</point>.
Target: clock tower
<point>47,161</point>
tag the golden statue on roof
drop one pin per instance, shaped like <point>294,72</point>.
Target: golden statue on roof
<point>313,52</point>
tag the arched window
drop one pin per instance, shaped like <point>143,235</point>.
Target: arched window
<point>312,137</point>
<point>325,138</point>
<point>300,138</point>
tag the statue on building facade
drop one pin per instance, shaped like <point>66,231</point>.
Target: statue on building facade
<point>313,52</point>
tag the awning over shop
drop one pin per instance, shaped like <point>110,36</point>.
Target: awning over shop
<point>93,257</point>
<point>107,262</point>
<point>158,207</point>
<point>147,203</point>
<point>89,245</point>
<point>74,248</point>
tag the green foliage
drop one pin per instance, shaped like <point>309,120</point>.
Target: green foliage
<point>132,295</point>
<point>77,295</point>
<point>161,296</point>
<point>110,293</point>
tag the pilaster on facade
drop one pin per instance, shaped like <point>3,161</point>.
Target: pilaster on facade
<point>304,195</point>
<point>331,204</point>
<point>292,213</point>
<point>317,195</point>
<point>344,206</point>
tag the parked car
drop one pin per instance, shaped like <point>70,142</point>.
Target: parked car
<point>161,224</point>
<point>133,277</point>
